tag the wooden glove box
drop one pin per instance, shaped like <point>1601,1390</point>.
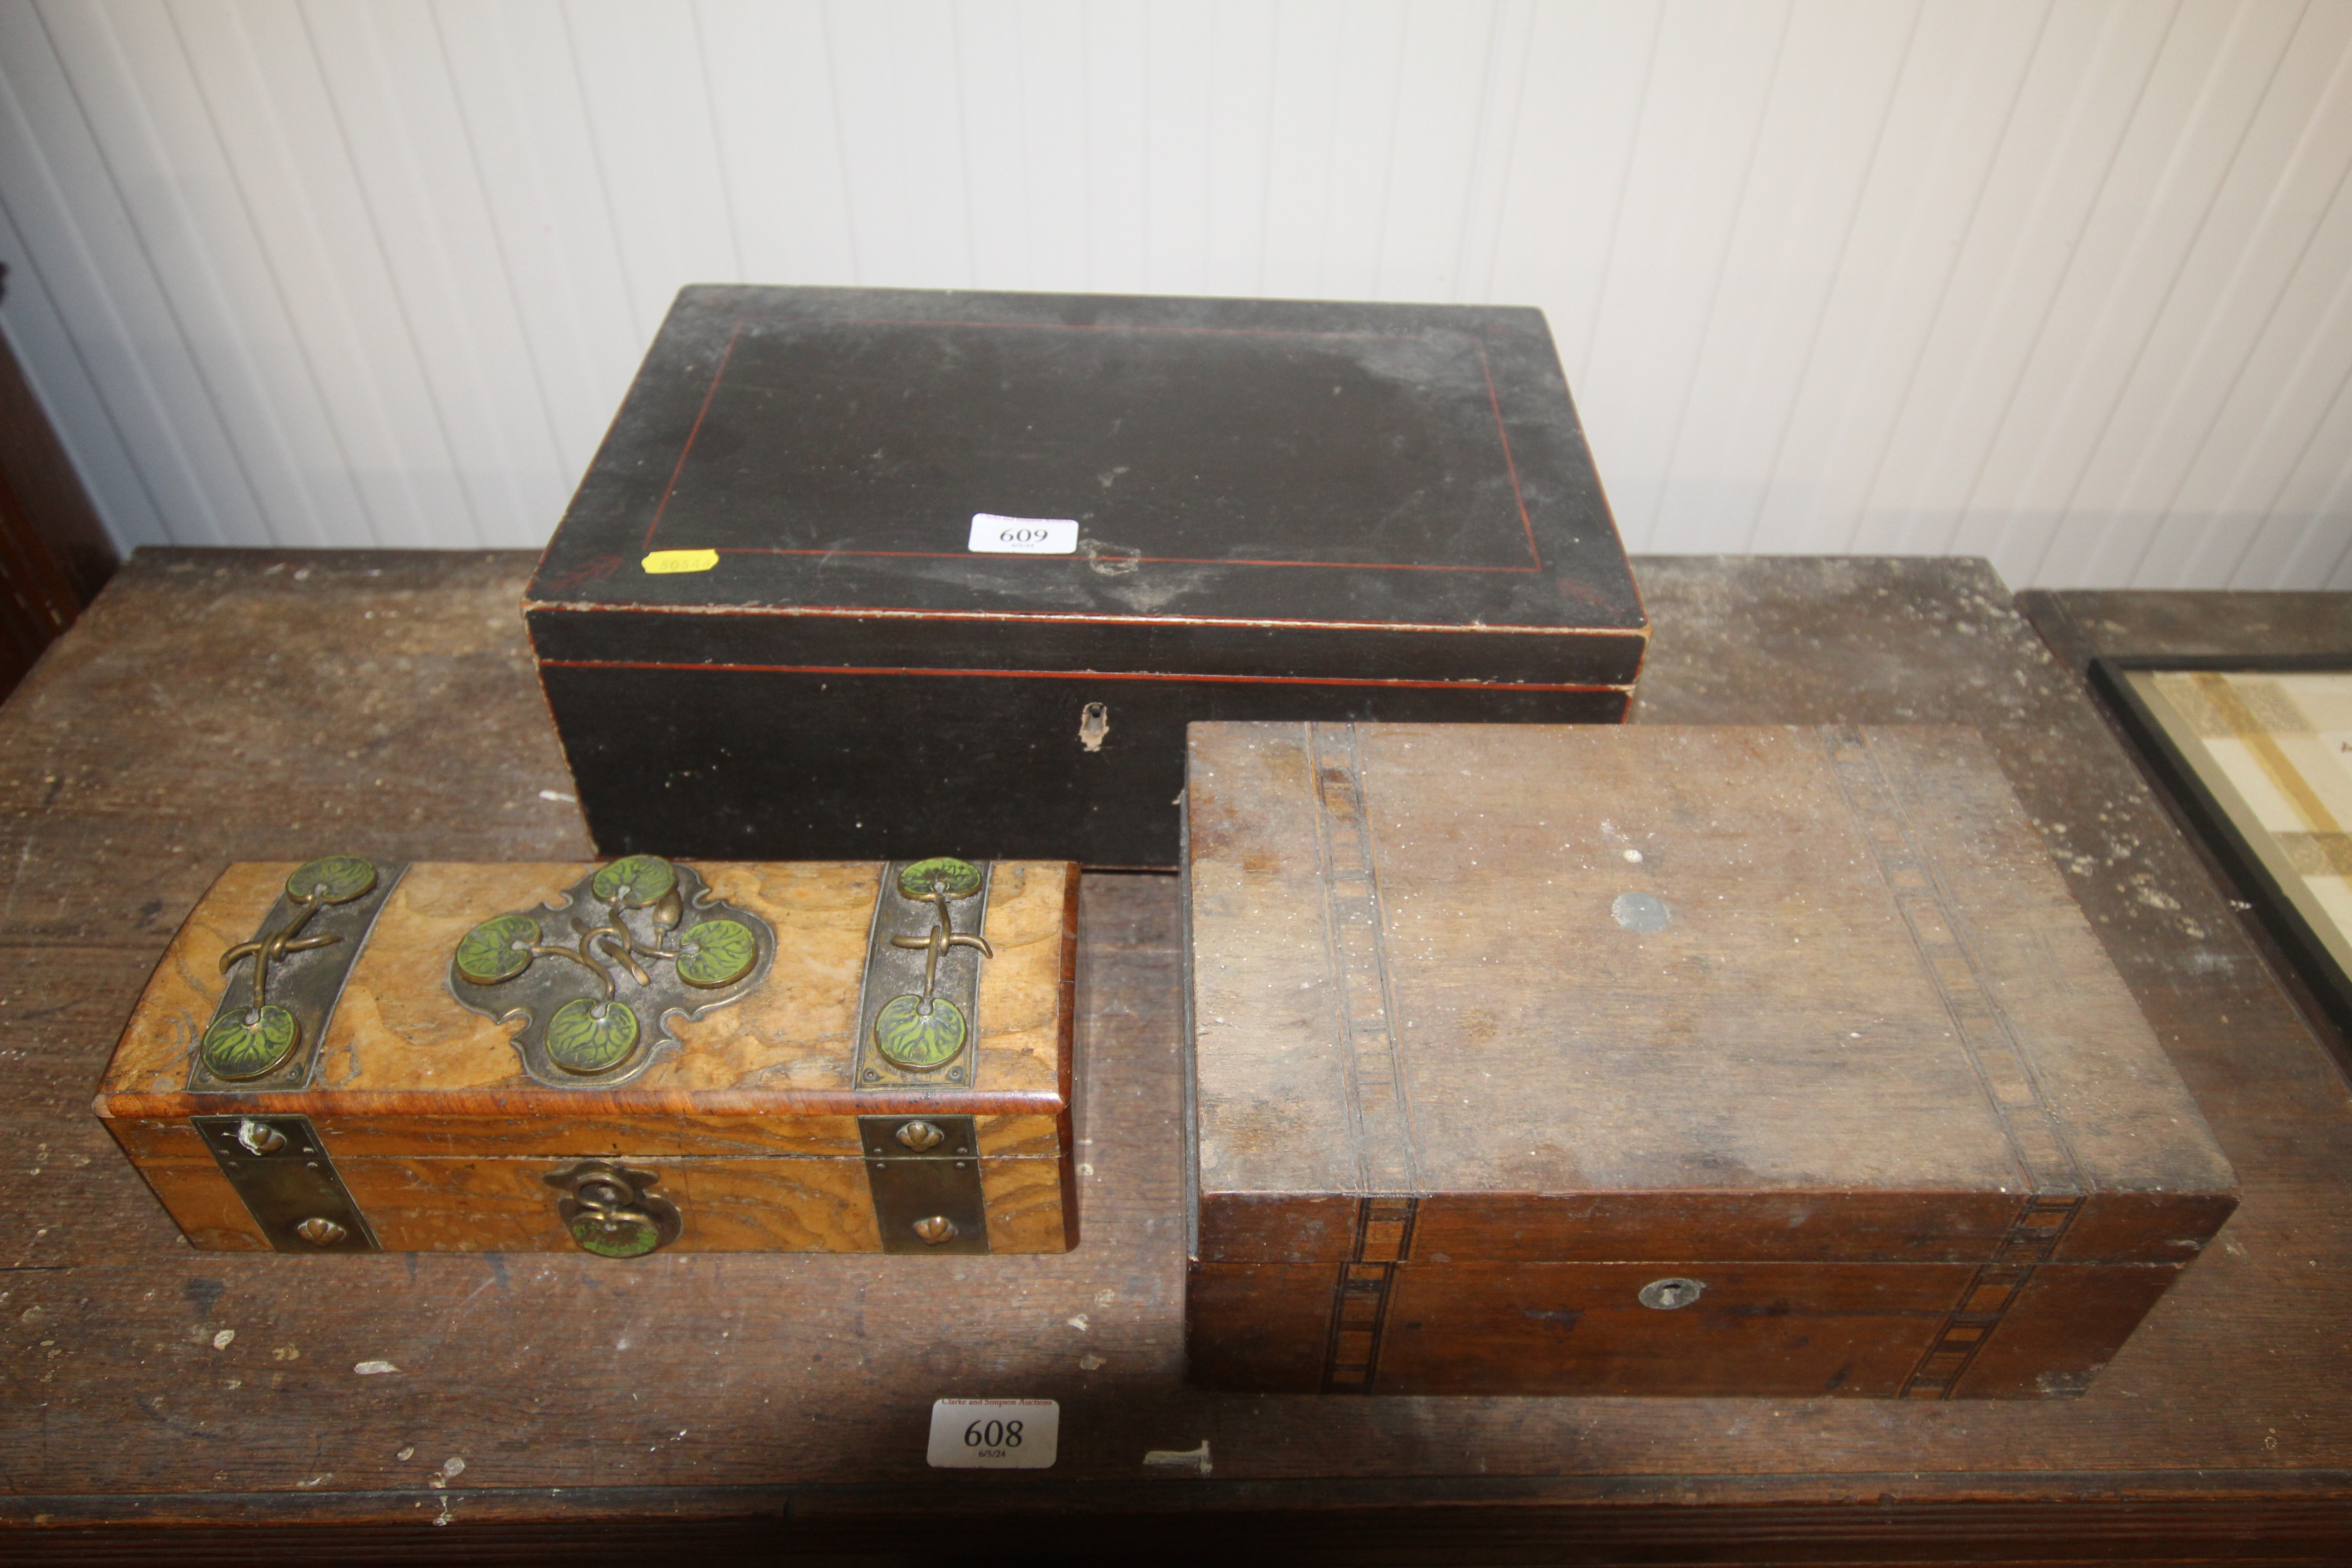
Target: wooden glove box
<point>458,1074</point>
<point>1660,1061</point>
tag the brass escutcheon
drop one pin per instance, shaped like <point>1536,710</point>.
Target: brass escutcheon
<point>607,1211</point>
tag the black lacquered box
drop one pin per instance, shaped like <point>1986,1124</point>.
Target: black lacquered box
<point>880,573</point>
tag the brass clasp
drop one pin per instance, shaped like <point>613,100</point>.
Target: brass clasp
<point>607,1210</point>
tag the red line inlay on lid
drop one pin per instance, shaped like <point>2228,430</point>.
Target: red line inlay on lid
<point>1061,675</point>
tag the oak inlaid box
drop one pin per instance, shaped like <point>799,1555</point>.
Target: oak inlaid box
<point>1660,1061</point>
<point>713,1056</point>
<point>891,572</point>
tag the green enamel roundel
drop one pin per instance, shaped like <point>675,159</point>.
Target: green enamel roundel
<point>717,952</point>
<point>499,948</point>
<point>918,1041</point>
<point>615,1235</point>
<point>580,1041</point>
<point>634,880</point>
<point>333,879</point>
<point>248,1044</point>
<point>959,877</point>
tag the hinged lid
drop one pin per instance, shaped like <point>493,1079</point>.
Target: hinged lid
<point>1617,994</point>
<point>1226,488</point>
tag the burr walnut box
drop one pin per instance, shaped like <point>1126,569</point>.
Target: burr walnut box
<point>891,572</point>
<point>1634,1060</point>
<point>358,1055</point>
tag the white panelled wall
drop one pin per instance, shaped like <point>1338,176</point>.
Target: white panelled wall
<point>2063,282</point>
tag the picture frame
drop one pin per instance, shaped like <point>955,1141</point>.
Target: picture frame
<point>2257,752</point>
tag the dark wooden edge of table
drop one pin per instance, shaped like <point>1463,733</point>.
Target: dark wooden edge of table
<point>2299,1518</point>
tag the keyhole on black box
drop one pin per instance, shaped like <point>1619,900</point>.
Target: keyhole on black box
<point>1094,723</point>
<point>1666,1295</point>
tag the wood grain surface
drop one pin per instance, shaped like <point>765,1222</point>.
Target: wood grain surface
<point>398,1040</point>
<point>1788,1026</point>
<point>216,707</point>
<point>1861,990</point>
<point>401,1064</point>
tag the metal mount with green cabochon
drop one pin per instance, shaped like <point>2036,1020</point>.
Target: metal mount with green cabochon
<point>919,1033</point>
<point>282,986</point>
<point>588,1037</point>
<point>333,879</point>
<point>251,1041</point>
<point>919,1005</point>
<point>634,881</point>
<point>956,879</point>
<point>596,976</point>
<point>499,948</point>
<point>715,952</point>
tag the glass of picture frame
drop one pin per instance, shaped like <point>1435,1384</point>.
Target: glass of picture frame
<point>2258,752</point>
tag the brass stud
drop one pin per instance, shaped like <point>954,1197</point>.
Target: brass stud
<point>260,1137</point>
<point>936,1229</point>
<point>921,1136</point>
<point>321,1232</point>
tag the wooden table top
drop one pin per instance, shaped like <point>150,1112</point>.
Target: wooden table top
<point>217,706</point>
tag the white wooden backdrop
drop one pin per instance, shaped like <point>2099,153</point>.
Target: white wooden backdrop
<point>2068,284</point>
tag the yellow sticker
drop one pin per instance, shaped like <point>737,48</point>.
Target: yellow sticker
<point>681,560</point>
